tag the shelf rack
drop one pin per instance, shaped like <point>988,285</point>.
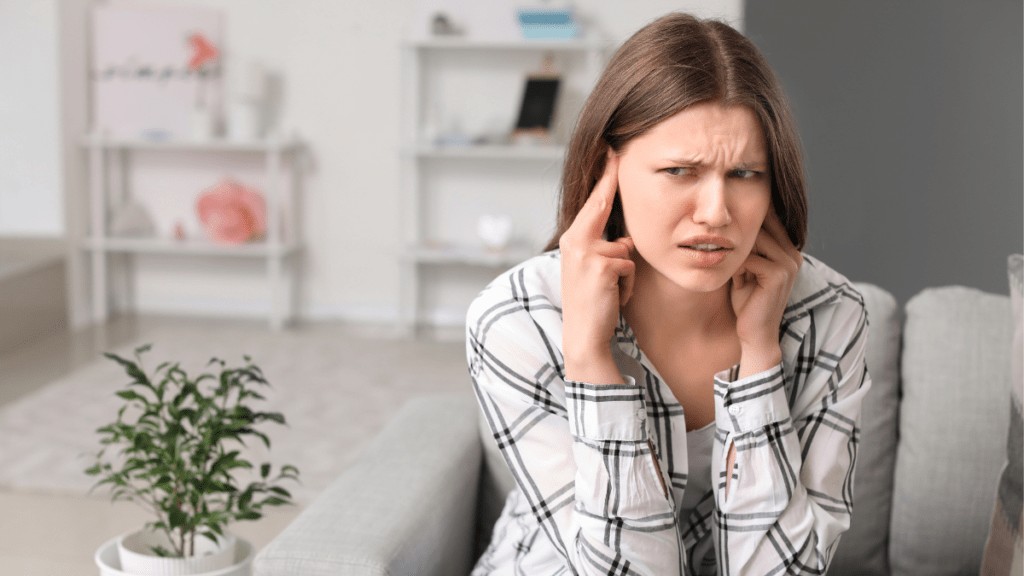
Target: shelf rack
<point>420,252</point>
<point>277,248</point>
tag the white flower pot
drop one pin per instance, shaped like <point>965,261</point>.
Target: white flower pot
<point>129,555</point>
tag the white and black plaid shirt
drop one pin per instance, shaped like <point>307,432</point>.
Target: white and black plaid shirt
<point>590,496</point>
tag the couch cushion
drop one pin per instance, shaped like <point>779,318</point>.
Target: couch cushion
<point>863,550</point>
<point>953,417</point>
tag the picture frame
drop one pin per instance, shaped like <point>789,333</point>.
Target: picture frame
<point>537,108</point>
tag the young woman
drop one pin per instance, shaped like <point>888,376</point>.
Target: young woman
<point>675,388</point>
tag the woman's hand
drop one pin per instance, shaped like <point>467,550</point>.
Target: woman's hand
<point>760,290</point>
<point>597,279</point>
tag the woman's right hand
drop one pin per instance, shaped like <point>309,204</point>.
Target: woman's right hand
<point>597,279</point>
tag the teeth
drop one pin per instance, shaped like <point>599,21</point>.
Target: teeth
<point>706,247</point>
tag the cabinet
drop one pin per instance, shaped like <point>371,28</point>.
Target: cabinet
<point>439,225</point>
<point>108,165</point>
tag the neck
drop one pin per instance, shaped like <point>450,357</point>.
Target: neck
<point>659,306</point>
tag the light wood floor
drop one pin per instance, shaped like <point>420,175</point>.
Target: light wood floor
<point>57,535</point>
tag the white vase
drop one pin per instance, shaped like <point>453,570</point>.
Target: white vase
<point>245,121</point>
<point>136,557</point>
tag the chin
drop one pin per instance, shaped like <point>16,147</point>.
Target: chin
<point>696,280</point>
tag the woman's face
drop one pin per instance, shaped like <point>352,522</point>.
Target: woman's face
<point>702,172</point>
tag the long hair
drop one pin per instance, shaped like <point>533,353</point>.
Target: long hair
<point>672,63</point>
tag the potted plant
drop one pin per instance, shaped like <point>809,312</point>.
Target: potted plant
<point>177,441</point>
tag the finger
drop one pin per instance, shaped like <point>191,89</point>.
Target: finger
<point>767,246</point>
<point>614,249</point>
<point>594,215</point>
<point>626,282</point>
<point>626,288</point>
<point>765,272</point>
<point>773,226</point>
<point>627,245</point>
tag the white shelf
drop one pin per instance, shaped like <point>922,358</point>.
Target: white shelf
<point>188,247</point>
<point>112,157</point>
<point>493,151</point>
<point>427,62</point>
<point>456,43</point>
<point>213,145</point>
<point>468,255</point>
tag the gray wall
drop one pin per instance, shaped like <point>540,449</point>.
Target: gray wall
<point>911,119</point>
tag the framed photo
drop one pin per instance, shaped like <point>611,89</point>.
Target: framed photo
<point>537,109</point>
<point>148,70</point>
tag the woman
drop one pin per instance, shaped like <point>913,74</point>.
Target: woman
<point>675,388</point>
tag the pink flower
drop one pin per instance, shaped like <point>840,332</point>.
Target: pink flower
<point>232,213</point>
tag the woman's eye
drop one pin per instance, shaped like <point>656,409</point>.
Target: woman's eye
<point>745,174</point>
<point>678,171</point>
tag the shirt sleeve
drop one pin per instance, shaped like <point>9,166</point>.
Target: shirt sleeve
<point>791,491</point>
<point>579,452</point>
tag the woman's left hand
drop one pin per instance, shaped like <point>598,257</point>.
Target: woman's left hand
<point>760,291</point>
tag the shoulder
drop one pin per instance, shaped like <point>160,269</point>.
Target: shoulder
<point>529,292</point>
<point>819,288</point>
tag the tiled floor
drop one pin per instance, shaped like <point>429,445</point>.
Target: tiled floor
<point>48,534</point>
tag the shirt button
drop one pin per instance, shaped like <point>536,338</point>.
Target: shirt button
<point>735,410</point>
<point>640,414</point>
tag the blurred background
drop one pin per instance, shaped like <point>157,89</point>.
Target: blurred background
<point>395,167</point>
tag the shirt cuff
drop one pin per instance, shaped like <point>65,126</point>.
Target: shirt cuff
<point>603,412</point>
<point>752,402</point>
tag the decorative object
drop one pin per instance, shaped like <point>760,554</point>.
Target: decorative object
<point>156,71</point>
<point>247,110</point>
<point>547,23</point>
<point>178,441</point>
<point>494,231</point>
<point>203,57</point>
<point>131,219</point>
<point>232,213</point>
<point>441,25</point>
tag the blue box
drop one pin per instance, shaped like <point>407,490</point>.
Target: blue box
<point>547,24</point>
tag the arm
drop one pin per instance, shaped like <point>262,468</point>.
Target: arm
<point>791,484</point>
<point>581,459</point>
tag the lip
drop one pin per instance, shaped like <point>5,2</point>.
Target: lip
<point>705,239</point>
<point>705,259</point>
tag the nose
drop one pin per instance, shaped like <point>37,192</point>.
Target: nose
<point>711,208</point>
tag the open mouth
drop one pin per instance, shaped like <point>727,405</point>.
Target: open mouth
<point>706,248</point>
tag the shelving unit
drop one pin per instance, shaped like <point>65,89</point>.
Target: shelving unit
<point>422,250</point>
<point>109,157</point>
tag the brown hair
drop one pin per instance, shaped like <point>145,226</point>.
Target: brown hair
<point>672,63</point>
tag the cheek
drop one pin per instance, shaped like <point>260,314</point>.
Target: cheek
<point>643,204</point>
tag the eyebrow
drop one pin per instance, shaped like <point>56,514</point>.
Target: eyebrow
<point>747,165</point>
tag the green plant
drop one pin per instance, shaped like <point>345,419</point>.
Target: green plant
<point>178,440</point>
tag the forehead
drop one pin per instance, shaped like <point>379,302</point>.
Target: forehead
<point>731,133</point>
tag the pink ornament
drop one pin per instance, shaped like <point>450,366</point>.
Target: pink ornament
<point>232,213</point>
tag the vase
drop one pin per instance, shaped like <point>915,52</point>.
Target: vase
<point>135,556</point>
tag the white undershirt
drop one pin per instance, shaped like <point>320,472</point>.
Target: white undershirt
<point>698,450</point>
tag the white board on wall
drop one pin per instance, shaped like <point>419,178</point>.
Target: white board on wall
<point>143,84</point>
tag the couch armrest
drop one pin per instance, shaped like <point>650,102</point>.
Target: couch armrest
<point>406,506</point>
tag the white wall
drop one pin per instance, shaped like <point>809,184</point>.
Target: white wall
<point>31,202</point>
<point>339,63</point>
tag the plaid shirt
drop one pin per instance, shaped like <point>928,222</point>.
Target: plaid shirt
<point>601,469</point>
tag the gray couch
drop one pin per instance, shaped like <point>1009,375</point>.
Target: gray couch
<point>423,496</point>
